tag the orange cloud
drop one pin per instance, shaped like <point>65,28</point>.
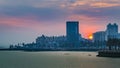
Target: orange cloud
<point>19,22</point>
<point>102,4</point>
<point>79,3</point>
<point>73,5</point>
<point>91,3</point>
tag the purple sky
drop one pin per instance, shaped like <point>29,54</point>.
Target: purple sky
<point>24,20</point>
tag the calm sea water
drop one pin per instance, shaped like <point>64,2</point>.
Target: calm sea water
<point>20,59</point>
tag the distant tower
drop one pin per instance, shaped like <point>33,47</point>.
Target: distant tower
<point>112,30</point>
<point>72,32</point>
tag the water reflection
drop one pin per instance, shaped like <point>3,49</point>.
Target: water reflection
<point>56,60</point>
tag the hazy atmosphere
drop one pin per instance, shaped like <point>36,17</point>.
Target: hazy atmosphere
<point>24,20</point>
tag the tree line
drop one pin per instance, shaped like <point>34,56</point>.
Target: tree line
<point>113,44</point>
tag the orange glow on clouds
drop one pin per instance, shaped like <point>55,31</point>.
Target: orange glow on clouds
<point>19,22</point>
<point>102,4</point>
<point>92,3</point>
<point>33,25</point>
<point>87,25</point>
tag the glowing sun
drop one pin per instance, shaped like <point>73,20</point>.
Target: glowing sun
<point>90,37</point>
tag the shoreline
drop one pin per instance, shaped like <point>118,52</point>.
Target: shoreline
<point>34,50</point>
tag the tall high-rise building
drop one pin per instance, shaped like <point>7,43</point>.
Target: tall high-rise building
<point>72,32</point>
<point>112,30</point>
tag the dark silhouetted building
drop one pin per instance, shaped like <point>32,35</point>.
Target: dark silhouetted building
<point>72,32</point>
<point>112,30</point>
<point>99,38</point>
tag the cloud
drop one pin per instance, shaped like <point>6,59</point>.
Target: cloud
<point>30,18</point>
<point>42,14</point>
<point>101,13</point>
<point>91,3</point>
<point>54,10</point>
<point>102,4</point>
<point>23,24</point>
<point>32,3</point>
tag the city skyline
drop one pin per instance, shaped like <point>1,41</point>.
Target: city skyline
<point>73,39</point>
<point>24,20</point>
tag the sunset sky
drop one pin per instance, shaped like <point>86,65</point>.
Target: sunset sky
<point>25,20</point>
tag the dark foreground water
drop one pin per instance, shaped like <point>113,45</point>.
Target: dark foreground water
<point>19,59</point>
